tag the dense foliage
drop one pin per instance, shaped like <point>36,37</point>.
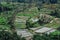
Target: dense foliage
<point>5,35</point>
<point>52,36</point>
<point>45,13</point>
<point>56,13</point>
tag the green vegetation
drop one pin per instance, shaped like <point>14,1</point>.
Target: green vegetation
<point>6,35</point>
<point>53,36</point>
<point>29,13</point>
<point>20,25</point>
<point>15,15</point>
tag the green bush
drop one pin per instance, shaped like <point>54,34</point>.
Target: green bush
<point>3,20</point>
<point>53,36</point>
<point>5,35</point>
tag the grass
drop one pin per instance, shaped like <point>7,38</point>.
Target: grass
<point>20,25</point>
<point>54,24</point>
<point>25,14</point>
<point>6,27</point>
<point>55,33</point>
<point>29,13</point>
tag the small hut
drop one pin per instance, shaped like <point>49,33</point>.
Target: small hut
<point>24,34</point>
<point>45,30</point>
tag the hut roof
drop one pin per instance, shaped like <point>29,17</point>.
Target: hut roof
<point>44,30</point>
<point>24,33</point>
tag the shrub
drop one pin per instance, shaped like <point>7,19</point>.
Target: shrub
<point>5,35</point>
<point>3,20</point>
